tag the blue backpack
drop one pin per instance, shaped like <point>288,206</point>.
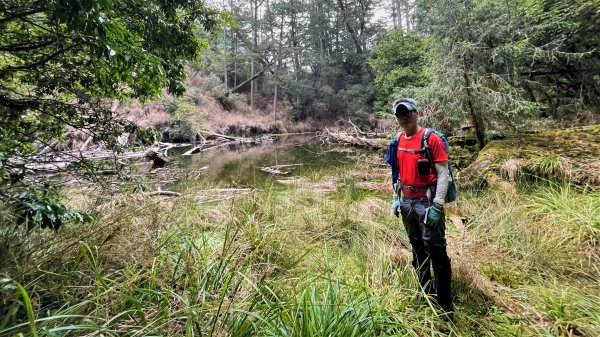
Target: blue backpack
<point>426,150</point>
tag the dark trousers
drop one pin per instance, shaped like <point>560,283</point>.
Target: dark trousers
<point>429,249</point>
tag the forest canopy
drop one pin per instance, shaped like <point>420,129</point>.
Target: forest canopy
<point>487,63</point>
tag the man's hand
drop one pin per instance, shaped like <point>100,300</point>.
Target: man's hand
<point>396,207</point>
<point>433,214</point>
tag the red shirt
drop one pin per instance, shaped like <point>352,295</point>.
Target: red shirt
<point>407,162</point>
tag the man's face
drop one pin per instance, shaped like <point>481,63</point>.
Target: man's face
<point>407,120</point>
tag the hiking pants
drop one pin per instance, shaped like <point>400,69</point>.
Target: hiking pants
<point>428,248</point>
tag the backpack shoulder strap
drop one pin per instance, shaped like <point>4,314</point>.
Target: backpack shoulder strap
<point>425,138</point>
<point>426,149</point>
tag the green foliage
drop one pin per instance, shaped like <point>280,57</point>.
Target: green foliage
<point>505,63</point>
<point>172,106</point>
<point>223,267</point>
<point>61,60</point>
<point>399,62</point>
<point>181,130</point>
<point>317,64</point>
<point>215,88</point>
<point>185,119</point>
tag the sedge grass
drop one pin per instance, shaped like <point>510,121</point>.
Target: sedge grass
<point>301,261</point>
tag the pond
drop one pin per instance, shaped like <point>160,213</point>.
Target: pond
<point>239,165</point>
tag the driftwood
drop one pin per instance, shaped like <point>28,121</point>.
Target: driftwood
<point>271,170</point>
<point>222,136</point>
<point>191,151</point>
<point>276,169</point>
<point>86,143</point>
<point>172,146</point>
<point>49,147</point>
<point>231,140</point>
<point>342,137</point>
<point>164,193</point>
<point>285,165</point>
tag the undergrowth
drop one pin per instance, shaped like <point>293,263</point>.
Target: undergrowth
<point>307,260</point>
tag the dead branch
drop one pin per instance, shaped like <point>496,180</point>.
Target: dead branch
<point>271,170</point>
<point>164,193</point>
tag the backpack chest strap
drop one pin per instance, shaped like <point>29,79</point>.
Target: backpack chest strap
<point>413,151</point>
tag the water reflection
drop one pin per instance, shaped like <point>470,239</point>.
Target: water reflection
<point>239,165</point>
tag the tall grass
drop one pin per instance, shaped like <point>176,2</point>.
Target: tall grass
<point>303,261</point>
<point>540,241</point>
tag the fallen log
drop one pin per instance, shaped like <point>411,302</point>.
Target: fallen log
<point>221,136</point>
<point>275,171</point>
<point>164,193</point>
<point>285,165</point>
<point>376,143</point>
<point>86,143</point>
<point>49,147</point>
<point>191,151</point>
<point>218,145</point>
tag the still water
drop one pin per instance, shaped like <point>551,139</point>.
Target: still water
<point>239,165</point>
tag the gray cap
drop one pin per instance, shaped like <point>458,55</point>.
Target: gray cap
<point>408,103</point>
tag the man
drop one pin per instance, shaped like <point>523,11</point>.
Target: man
<point>419,194</point>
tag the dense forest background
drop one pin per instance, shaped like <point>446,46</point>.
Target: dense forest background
<point>495,64</point>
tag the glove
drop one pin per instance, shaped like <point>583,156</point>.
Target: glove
<point>396,207</point>
<point>433,214</point>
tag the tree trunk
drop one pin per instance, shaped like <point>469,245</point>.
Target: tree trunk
<point>251,79</point>
<point>235,47</point>
<point>225,79</point>
<point>294,40</point>
<point>475,116</point>
<point>355,40</point>
<point>407,16</point>
<point>278,68</point>
<point>254,43</point>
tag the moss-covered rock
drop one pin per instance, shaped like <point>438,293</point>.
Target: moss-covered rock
<point>571,155</point>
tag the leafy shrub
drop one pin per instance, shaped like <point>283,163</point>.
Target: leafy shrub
<point>181,131</point>
<point>215,88</point>
<point>172,106</point>
<point>37,206</point>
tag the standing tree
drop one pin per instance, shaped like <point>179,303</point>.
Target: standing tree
<point>60,60</point>
<point>502,63</point>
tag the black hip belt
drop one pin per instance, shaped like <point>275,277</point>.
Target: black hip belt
<point>415,189</point>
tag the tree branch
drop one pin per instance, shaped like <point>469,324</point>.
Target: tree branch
<point>26,46</point>
<point>16,16</point>
<point>42,61</point>
<point>239,86</point>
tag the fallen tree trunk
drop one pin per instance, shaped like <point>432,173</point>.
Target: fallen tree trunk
<point>222,136</point>
<point>164,193</point>
<point>342,137</point>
